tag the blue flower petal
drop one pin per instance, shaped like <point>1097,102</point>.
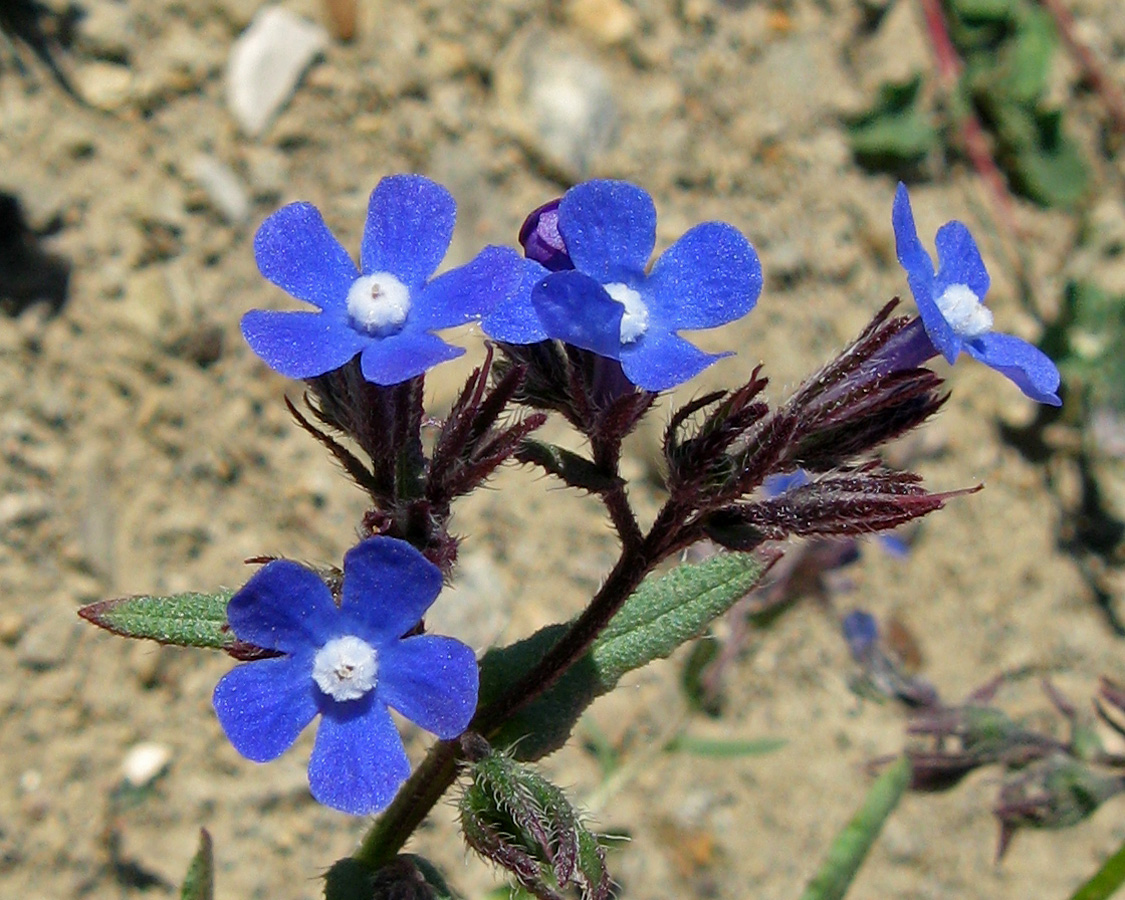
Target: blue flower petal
<point>709,277</point>
<point>283,607</point>
<point>264,705</point>
<point>920,275</point>
<point>358,761</point>
<point>575,308</point>
<point>296,251</point>
<point>430,680</point>
<point>301,344</point>
<point>388,586</point>
<point>959,260</point>
<point>660,360</point>
<point>405,355</point>
<point>463,294</point>
<point>609,228</point>
<point>1026,365</point>
<point>409,226</point>
<point>514,319</point>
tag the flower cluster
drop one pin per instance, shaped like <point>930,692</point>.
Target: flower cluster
<point>350,664</point>
<point>580,317</point>
<point>602,300</point>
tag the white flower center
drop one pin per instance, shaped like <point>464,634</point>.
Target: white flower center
<point>964,312</point>
<point>378,303</point>
<point>635,321</point>
<point>346,668</point>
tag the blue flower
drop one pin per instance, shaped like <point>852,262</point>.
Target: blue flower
<point>951,304</point>
<point>349,664</point>
<point>386,312</point>
<point>607,304</point>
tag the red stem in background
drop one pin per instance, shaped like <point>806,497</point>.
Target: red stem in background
<point>1111,95</point>
<point>972,132</point>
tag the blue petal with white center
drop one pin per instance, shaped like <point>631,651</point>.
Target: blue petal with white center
<point>951,304</point>
<point>387,311</point>
<point>350,664</point>
<point>608,304</point>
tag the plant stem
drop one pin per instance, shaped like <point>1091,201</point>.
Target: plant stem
<point>411,805</point>
<point>438,771</point>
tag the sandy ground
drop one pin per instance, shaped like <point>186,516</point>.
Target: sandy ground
<point>147,450</point>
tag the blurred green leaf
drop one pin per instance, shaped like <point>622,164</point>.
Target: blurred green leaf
<point>703,653</point>
<point>187,620</point>
<point>895,130</point>
<point>852,845</point>
<point>1087,341</point>
<point>199,883</point>
<point>1025,62</point>
<point>1106,881</point>
<point>1050,169</point>
<point>664,613</point>
<point>984,10</point>
<point>724,749</point>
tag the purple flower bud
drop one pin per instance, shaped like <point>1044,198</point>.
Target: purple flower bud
<point>861,632</point>
<point>542,240</point>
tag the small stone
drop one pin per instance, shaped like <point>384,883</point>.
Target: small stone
<point>557,101</point>
<point>147,306</point>
<point>223,187</point>
<point>144,763</point>
<point>23,509</point>
<point>266,63</point>
<point>11,627</point>
<point>104,85</point>
<point>47,641</point>
<point>606,21</point>
<point>268,171</point>
<point>105,30</point>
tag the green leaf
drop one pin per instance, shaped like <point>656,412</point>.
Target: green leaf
<point>985,10</point>
<point>1106,881</point>
<point>722,749</point>
<point>1025,62</point>
<point>199,883</point>
<point>664,613</point>
<point>1051,170</point>
<point>187,620</point>
<point>851,846</point>
<point>895,130</point>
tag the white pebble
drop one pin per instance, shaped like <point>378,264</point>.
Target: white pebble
<point>266,62</point>
<point>144,763</point>
<point>223,187</point>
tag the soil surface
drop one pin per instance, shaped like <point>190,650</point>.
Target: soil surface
<point>146,449</point>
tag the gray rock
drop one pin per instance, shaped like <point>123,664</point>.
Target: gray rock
<point>556,101</point>
<point>266,63</point>
<point>223,187</point>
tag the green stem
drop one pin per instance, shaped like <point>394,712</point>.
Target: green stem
<point>411,805</point>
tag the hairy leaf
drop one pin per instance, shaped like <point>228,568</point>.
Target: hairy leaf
<point>187,620</point>
<point>664,613</point>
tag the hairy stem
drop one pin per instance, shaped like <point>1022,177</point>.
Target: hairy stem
<point>639,555</point>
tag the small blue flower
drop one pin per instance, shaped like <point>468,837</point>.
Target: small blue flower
<point>386,312</point>
<point>607,304</point>
<point>349,664</point>
<point>951,304</point>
